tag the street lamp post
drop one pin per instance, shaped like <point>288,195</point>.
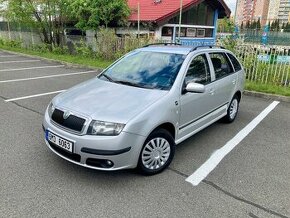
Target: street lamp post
<point>180,16</point>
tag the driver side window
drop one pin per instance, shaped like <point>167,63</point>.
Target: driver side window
<point>198,71</point>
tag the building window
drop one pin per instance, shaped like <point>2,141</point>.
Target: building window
<point>187,32</point>
<point>191,32</point>
<point>183,32</point>
<point>167,31</point>
<point>200,33</point>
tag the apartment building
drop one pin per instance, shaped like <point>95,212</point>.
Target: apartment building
<point>250,10</point>
<point>244,11</point>
<point>265,10</point>
<point>284,11</point>
<point>273,10</point>
<point>261,8</point>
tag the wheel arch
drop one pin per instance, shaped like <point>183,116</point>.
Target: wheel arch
<point>239,95</point>
<point>167,126</point>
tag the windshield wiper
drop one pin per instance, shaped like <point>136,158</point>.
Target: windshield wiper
<point>131,84</point>
<point>108,78</point>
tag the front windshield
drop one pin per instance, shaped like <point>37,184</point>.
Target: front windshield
<point>145,69</point>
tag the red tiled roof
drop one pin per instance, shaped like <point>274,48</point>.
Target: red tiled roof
<point>151,11</point>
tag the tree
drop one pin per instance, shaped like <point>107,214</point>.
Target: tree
<point>226,25</point>
<point>258,26</point>
<point>287,27</point>
<point>273,25</point>
<point>242,25</point>
<point>47,16</point>
<point>248,24</point>
<point>278,25</point>
<point>253,25</point>
<point>90,14</point>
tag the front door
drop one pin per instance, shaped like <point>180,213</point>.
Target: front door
<point>195,108</point>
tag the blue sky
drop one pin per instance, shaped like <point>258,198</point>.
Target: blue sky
<point>231,4</point>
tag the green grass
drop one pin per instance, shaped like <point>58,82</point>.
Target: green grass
<point>74,59</point>
<point>266,88</point>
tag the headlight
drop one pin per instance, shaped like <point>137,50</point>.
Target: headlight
<point>105,128</point>
<point>50,109</point>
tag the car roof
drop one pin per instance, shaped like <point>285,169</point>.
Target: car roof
<point>179,49</point>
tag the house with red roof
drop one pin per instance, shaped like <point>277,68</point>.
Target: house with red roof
<point>159,19</point>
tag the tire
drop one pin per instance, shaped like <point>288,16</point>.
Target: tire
<point>232,110</point>
<point>157,152</point>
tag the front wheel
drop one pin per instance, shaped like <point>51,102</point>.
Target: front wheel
<point>157,152</point>
<point>232,110</point>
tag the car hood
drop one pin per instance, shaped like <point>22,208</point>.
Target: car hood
<point>107,101</point>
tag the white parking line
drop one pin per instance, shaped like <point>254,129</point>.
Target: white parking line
<point>34,96</point>
<point>30,68</point>
<point>23,61</point>
<point>203,171</point>
<point>45,77</point>
<point>8,56</point>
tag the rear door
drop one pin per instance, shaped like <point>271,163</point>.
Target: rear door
<point>225,78</point>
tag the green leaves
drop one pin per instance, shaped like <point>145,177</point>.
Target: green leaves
<point>90,14</point>
<point>226,25</point>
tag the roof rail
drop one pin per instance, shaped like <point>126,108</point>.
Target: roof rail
<point>200,46</point>
<point>162,43</point>
<point>205,46</point>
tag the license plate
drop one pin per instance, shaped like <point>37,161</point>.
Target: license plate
<point>60,142</point>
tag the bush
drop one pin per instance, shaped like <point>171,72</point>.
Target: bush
<point>60,50</point>
<point>83,49</point>
<point>111,47</point>
<point>11,43</point>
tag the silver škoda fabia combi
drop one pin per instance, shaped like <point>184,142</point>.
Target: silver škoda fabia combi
<point>137,110</point>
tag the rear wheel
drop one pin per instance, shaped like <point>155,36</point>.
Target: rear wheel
<point>157,152</point>
<point>232,110</point>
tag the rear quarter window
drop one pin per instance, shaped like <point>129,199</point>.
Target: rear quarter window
<point>235,62</point>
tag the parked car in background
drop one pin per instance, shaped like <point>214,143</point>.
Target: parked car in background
<point>138,109</point>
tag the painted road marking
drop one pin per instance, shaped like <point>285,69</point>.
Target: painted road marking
<point>9,56</point>
<point>23,61</point>
<point>208,166</point>
<point>34,96</point>
<point>45,77</point>
<point>30,68</point>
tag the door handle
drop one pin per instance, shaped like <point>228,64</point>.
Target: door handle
<point>211,91</point>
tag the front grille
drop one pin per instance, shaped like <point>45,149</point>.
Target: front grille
<point>74,157</point>
<point>72,122</point>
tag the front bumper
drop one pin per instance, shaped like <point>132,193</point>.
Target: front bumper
<point>94,151</point>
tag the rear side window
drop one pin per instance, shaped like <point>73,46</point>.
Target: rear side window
<point>235,62</point>
<point>221,65</point>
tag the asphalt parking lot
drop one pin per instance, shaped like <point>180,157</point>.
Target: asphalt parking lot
<point>252,180</point>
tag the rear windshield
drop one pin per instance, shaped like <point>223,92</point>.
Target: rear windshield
<point>145,69</point>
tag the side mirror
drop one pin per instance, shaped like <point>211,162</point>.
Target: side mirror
<point>195,87</point>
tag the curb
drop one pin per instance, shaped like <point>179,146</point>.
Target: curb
<point>53,60</point>
<point>267,96</point>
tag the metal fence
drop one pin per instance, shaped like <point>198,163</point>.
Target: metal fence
<point>273,38</point>
<point>265,65</point>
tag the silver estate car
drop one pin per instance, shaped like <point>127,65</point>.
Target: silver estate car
<point>136,111</point>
